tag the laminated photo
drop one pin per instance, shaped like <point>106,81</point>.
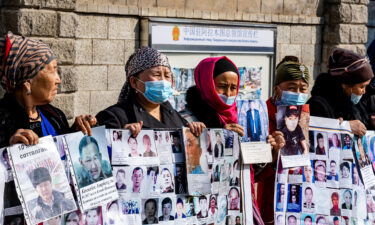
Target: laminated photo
<point>217,143</point>
<point>190,206</point>
<point>152,186</point>
<point>335,209</point>
<point>212,206</point>
<point>292,219</point>
<point>167,210</point>
<point>163,142</point>
<point>113,213</point>
<point>293,122</point>
<point>150,211</point>
<point>307,219</point>
<point>137,181</point>
<point>40,180</point>
<point>121,173</point>
<point>215,176</point>
<point>177,146</point>
<point>281,197</point>
<point>320,173</point>
<point>279,218</point>
<point>371,148</point>
<point>90,168</point>
<point>347,202</point>
<point>53,221</point>
<point>166,179</point>
<point>180,178</point>
<point>229,141</point>
<point>253,117</point>
<point>347,145</point>
<point>180,214</point>
<point>196,165</point>
<point>308,198</point>
<point>294,198</point>
<point>130,206</point>
<point>333,170</point>
<point>235,174</point>
<point>307,175</point>
<point>234,198</point>
<point>93,216</point>
<point>320,145</point>
<point>359,208</point>
<point>123,211</point>
<point>321,219</point>
<point>207,145</point>
<point>201,207</point>
<point>118,146</point>
<point>234,219</point>
<point>334,142</point>
<point>362,159</point>
<point>62,148</point>
<point>345,174</point>
<point>295,175</point>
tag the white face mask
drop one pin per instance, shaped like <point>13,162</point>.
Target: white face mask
<point>291,124</point>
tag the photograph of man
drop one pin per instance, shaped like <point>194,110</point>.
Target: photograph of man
<point>320,144</point>
<point>190,211</point>
<point>120,179</point>
<point>308,205</point>
<point>180,179</point>
<point>280,197</point>
<point>229,139</point>
<point>253,123</point>
<point>212,206</point>
<point>334,142</point>
<point>150,209</point>
<point>133,145</point>
<point>320,171</point>
<point>152,176</point>
<point>347,142</point>
<point>180,209</point>
<point>347,196</point>
<point>363,159</point>
<point>307,174</point>
<point>345,170</point>
<point>332,173</point>
<point>73,218</point>
<point>94,168</point>
<point>321,220</point>
<point>176,142</point>
<point>49,203</point>
<point>280,219</point>
<point>335,210</point>
<point>147,146</point>
<point>137,178</point>
<point>238,220</point>
<point>307,220</point>
<point>292,220</point>
<point>166,209</point>
<point>166,181</point>
<point>203,212</point>
<point>294,198</point>
<point>295,142</point>
<point>234,199</point>
<point>216,173</point>
<point>336,221</point>
<point>93,216</point>
<point>193,153</point>
<point>219,146</point>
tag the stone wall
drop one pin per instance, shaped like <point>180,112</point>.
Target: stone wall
<point>94,38</point>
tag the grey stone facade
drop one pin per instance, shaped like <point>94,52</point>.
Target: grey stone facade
<point>94,38</point>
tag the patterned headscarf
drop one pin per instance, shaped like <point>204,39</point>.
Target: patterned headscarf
<point>21,59</point>
<point>143,59</point>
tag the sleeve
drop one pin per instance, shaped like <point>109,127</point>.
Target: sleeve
<point>112,117</point>
<point>319,107</point>
<point>301,136</point>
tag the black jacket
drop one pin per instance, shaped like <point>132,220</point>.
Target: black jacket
<point>201,110</point>
<point>14,117</point>
<point>120,114</point>
<point>329,100</point>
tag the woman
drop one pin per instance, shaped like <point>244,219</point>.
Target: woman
<point>150,210</point>
<point>291,88</point>
<point>147,145</point>
<point>133,144</point>
<point>336,144</point>
<point>336,94</point>
<point>143,101</point>
<point>28,74</point>
<point>212,208</point>
<point>234,199</point>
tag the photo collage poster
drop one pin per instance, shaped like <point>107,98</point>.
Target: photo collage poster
<point>183,78</point>
<point>41,181</point>
<point>293,122</point>
<point>250,82</point>
<point>90,167</point>
<point>328,190</point>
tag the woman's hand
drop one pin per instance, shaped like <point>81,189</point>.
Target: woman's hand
<point>358,127</point>
<point>196,128</point>
<point>84,123</point>
<point>277,141</point>
<point>134,128</point>
<point>24,136</point>
<point>236,128</point>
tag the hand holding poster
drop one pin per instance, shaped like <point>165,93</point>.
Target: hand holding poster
<point>41,181</point>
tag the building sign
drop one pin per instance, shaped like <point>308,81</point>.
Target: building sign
<point>170,37</point>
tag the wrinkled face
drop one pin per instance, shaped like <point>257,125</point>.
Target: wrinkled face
<point>152,74</point>
<point>150,209</point>
<point>167,208</point>
<point>167,177</point>
<point>133,144</point>
<point>298,86</point>
<point>335,201</point>
<point>192,148</point>
<point>92,218</point>
<point>308,195</point>
<point>137,178</point>
<point>44,190</point>
<point>291,122</point>
<point>44,85</point>
<point>91,160</point>
<point>72,219</point>
<point>357,89</point>
<point>226,83</point>
<point>120,177</point>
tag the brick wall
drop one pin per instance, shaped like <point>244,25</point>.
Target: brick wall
<point>94,38</point>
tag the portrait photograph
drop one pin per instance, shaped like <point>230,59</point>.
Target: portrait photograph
<point>308,173</point>
<point>295,175</point>
<point>321,220</point>
<point>166,179</point>
<point>308,198</point>
<point>167,209</point>
<point>201,206</point>
<point>347,146</point>
<point>335,202</point>
<point>294,198</point>
<point>346,202</point>
<point>73,218</point>
<point>235,174</point>
<point>320,145</point>
<point>177,142</point>
<point>190,206</point>
<point>93,216</point>
<point>137,180</point>
<point>229,141</point>
<point>180,178</point>
<point>359,209</point>
<point>334,142</point>
<point>279,218</point>
<point>234,198</point>
<point>334,220</point>
<point>217,142</point>
<point>361,151</point>
<point>333,169</point>
<point>180,209</point>
<point>320,172</point>
<point>225,169</point>
<point>152,186</point>
<point>114,214</point>
<point>193,151</point>
<point>222,209</point>
<point>292,219</point>
<point>355,176</point>
<point>53,221</point>
<point>121,174</point>
<point>253,117</point>
<point>118,146</point>
<point>235,219</point>
<point>130,206</point>
<point>15,220</point>
<point>212,206</point>
<point>308,219</point>
<point>150,209</point>
<point>281,196</point>
<point>345,174</point>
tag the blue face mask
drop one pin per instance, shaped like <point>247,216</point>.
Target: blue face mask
<point>355,98</point>
<point>228,100</point>
<point>292,98</point>
<point>157,91</point>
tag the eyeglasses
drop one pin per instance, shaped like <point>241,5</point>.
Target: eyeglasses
<point>351,68</point>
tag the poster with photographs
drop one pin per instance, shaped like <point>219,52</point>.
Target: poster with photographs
<point>41,181</point>
<point>91,169</point>
<point>122,211</point>
<point>250,82</point>
<point>129,150</point>
<point>183,78</point>
<point>331,189</point>
<point>293,122</point>
<point>163,142</point>
<point>362,146</point>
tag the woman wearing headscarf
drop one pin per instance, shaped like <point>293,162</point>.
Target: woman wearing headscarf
<point>143,101</point>
<point>336,94</point>
<point>212,100</point>
<point>28,74</point>
<point>290,88</point>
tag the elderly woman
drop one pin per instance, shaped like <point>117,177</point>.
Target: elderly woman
<point>28,73</point>
<point>336,94</point>
<point>143,101</point>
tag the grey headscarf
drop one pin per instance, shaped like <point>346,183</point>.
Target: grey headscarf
<point>143,59</point>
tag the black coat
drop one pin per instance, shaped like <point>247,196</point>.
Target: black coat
<point>329,100</point>
<point>201,110</point>
<point>120,114</point>
<point>14,117</point>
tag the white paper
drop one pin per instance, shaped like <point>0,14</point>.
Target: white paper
<point>368,176</point>
<point>256,152</point>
